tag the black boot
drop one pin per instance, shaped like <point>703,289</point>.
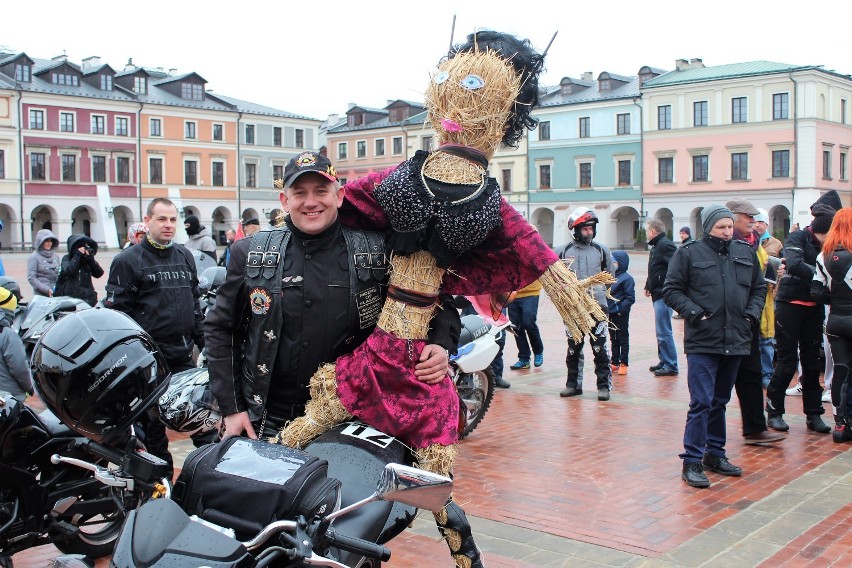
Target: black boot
<point>454,527</point>
<point>814,422</point>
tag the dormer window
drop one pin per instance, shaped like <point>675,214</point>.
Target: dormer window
<point>191,91</point>
<point>106,82</point>
<point>140,85</point>
<point>22,73</point>
<point>64,79</point>
<point>355,119</point>
<point>604,85</point>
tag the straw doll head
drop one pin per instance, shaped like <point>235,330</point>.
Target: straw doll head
<point>483,92</point>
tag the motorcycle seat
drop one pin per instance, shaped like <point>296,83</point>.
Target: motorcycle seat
<point>53,425</point>
<point>472,327</point>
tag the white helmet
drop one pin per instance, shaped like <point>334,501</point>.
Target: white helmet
<point>583,217</point>
<point>188,405</point>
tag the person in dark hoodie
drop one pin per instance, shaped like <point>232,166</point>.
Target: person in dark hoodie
<point>200,237</point>
<point>623,296</point>
<point>43,264</point>
<point>799,321</point>
<point>77,269</point>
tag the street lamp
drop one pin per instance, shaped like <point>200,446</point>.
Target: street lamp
<point>110,211</point>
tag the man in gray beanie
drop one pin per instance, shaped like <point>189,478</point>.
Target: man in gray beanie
<point>717,285</point>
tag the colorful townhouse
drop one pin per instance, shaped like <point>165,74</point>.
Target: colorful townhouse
<point>587,152</point>
<point>84,148</point>
<point>776,134</point>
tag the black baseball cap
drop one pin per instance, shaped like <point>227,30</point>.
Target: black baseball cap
<point>308,162</point>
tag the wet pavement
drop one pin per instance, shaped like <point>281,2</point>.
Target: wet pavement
<point>550,481</point>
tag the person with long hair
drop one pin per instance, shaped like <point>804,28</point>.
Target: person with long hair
<point>830,285</point>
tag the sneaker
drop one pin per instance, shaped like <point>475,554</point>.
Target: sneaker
<point>538,359</point>
<point>656,367</point>
<point>826,396</point>
<point>665,372</point>
<point>622,369</point>
<point>521,364</point>
<point>842,433</point>
<point>794,391</point>
<point>570,391</point>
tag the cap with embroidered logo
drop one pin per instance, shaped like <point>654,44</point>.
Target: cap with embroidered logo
<point>308,162</point>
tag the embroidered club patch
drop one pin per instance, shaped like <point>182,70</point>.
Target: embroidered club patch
<point>306,159</point>
<point>260,301</point>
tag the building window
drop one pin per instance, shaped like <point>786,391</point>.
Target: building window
<point>140,85</point>
<point>106,82</point>
<point>121,128</point>
<point>380,147</point>
<point>699,113</point>
<point>278,172</point>
<point>739,109</point>
<point>361,149</point>
<point>664,117</point>
<point>665,170</point>
<point>122,170</point>
<point>342,150</point>
<point>604,85</point>
<point>22,73</point>
<point>99,169</point>
<point>780,106</point>
<point>37,120</point>
<point>585,127</point>
<point>842,111</point>
<point>426,143</point>
<point>2,164</point>
<point>276,136</point>
<point>191,91</point>
<point>156,127</point>
<point>69,167</point>
<point>544,130</point>
<point>622,123</point>
<point>218,174</point>
<point>66,122</point>
<point>739,166</point>
<point>155,170</point>
<point>781,163</point>
<point>249,134</point>
<point>189,130</point>
<point>397,145</point>
<point>624,172</point>
<point>826,164</point>
<point>190,172</point>
<point>300,138</point>
<point>843,164</point>
<point>98,124</point>
<point>251,175</point>
<point>37,166</point>
<point>544,176</point>
<point>64,79</point>
<point>585,174</point>
<point>507,180</point>
<point>218,132</point>
<point>701,168</point>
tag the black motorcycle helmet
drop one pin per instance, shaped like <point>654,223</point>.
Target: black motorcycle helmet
<point>98,371</point>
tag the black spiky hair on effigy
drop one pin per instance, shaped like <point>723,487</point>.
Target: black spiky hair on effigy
<point>527,63</point>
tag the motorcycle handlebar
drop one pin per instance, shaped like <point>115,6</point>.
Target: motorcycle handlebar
<point>358,546</point>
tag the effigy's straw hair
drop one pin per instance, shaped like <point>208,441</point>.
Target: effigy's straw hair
<point>481,112</point>
<point>579,311</point>
<point>450,168</point>
<point>416,272</point>
<point>323,411</point>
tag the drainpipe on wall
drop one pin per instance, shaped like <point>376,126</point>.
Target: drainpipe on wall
<point>795,146</point>
<point>138,160</point>
<point>239,164</point>
<point>21,162</point>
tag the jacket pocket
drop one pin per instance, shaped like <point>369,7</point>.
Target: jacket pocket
<point>743,269</point>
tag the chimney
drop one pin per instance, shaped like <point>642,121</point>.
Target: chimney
<point>587,76</point>
<point>352,105</point>
<point>62,57</point>
<point>90,62</point>
<point>696,63</point>
<point>681,64</point>
<point>332,119</point>
<point>130,66</point>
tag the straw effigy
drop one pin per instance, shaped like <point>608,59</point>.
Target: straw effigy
<point>416,273</point>
<point>322,413</point>
<point>579,311</point>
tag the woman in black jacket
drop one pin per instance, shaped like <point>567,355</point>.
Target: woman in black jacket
<point>77,269</point>
<point>831,286</point>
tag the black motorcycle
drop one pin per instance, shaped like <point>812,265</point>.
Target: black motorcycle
<point>57,487</point>
<point>350,533</point>
<point>35,317</point>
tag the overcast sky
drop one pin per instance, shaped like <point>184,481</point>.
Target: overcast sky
<point>314,57</point>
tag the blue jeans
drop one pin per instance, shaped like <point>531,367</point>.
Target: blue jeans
<point>767,354</point>
<point>523,312</point>
<point>665,340</point>
<point>710,379</point>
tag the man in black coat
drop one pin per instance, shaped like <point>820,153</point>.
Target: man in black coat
<point>658,264</point>
<point>717,285</point>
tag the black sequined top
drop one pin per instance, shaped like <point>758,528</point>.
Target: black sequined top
<point>442,218</point>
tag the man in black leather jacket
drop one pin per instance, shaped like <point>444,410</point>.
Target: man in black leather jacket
<point>311,292</point>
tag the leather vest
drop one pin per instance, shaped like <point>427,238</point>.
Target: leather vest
<point>368,266</point>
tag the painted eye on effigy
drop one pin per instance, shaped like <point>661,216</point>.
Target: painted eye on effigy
<point>472,82</point>
<point>440,77</point>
